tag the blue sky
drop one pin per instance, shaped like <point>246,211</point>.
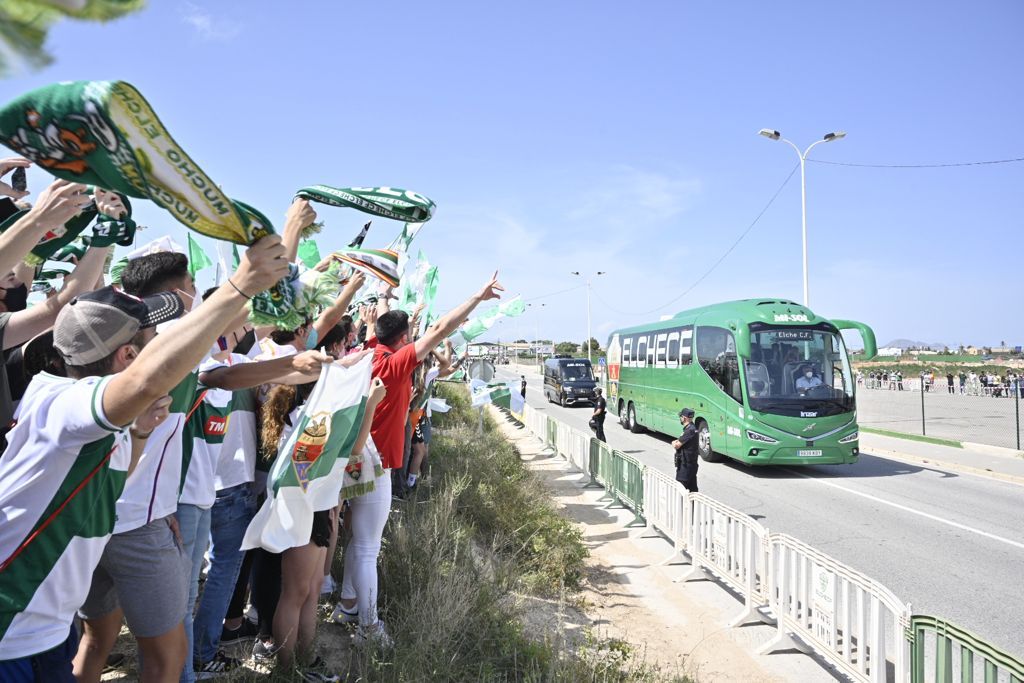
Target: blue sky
<point>596,136</point>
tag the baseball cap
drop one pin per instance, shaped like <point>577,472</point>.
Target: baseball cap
<point>96,324</point>
<point>686,412</point>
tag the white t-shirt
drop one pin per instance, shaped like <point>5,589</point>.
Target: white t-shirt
<point>60,476</point>
<point>223,431</point>
<point>152,492</point>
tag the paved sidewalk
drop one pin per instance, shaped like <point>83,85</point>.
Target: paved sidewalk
<point>987,461</point>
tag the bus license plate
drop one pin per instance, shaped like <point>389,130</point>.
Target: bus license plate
<point>808,454</point>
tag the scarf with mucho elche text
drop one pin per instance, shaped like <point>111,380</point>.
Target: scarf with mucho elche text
<point>105,133</point>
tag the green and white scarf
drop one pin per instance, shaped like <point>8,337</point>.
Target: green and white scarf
<point>401,205</point>
<point>104,133</point>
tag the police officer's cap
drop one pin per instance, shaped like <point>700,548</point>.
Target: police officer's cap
<point>686,412</point>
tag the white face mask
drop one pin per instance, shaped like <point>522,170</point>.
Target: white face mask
<point>808,374</point>
<point>187,299</point>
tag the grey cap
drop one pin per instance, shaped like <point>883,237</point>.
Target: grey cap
<point>686,412</point>
<point>94,325</point>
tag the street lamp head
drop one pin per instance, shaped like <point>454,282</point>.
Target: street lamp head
<point>574,272</point>
<point>837,135</point>
<point>770,134</point>
<point>602,272</point>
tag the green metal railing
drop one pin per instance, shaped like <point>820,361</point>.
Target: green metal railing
<point>991,659</point>
<point>552,435</point>
<point>628,482</point>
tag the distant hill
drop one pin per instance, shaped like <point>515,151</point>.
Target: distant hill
<point>911,344</point>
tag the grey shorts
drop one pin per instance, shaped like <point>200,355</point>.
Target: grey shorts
<point>144,572</point>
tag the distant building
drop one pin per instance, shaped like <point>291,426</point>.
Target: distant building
<point>972,350</point>
<point>927,352</point>
<point>1003,349</point>
<point>891,351</point>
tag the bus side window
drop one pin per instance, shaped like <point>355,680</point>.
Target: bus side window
<point>641,352</point>
<point>627,349</point>
<point>659,349</point>
<point>685,345</point>
<point>720,364</point>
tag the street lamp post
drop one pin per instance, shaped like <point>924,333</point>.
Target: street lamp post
<point>536,333</point>
<point>589,335</point>
<point>829,137</point>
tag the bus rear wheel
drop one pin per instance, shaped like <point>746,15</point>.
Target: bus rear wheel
<point>634,426</point>
<point>704,443</point>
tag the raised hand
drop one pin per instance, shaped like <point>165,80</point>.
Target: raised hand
<point>109,203</point>
<point>264,264</point>
<point>6,166</point>
<point>491,289</point>
<point>377,393</point>
<point>300,215</point>
<point>59,203</point>
<point>309,362</point>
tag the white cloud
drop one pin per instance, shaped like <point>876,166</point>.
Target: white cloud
<point>628,193</point>
<point>206,26</point>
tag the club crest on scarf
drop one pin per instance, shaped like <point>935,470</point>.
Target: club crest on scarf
<point>310,445</point>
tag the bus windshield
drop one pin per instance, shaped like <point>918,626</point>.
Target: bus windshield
<point>793,371</point>
<point>576,371</point>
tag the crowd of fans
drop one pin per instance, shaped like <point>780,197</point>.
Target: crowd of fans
<point>968,383</point>
<point>140,423</point>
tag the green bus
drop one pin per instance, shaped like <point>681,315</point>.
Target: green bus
<point>769,381</point>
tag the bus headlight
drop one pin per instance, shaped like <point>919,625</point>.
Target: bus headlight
<point>850,438</point>
<point>755,436</point>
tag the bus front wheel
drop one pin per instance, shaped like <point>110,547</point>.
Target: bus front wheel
<point>634,426</point>
<point>623,415</point>
<point>704,443</point>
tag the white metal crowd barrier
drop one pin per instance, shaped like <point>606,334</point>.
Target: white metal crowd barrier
<point>850,620</point>
<point>665,508</point>
<point>733,546</point>
<point>819,604</point>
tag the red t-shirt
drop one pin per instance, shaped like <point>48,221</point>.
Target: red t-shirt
<point>395,370</point>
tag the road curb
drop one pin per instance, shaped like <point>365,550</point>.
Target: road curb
<point>994,450</point>
<point>945,464</point>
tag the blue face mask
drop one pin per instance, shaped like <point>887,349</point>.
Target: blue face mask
<point>312,339</point>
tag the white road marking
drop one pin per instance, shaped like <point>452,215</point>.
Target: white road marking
<point>912,511</point>
<point>898,506</point>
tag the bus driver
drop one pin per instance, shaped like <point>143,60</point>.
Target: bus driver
<point>807,380</point>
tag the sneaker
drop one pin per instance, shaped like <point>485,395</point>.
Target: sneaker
<point>341,616</point>
<point>247,631</point>
<point>315,672</point>
<point>375,635</point>
<point>218,666</point>
<point>264,651</point>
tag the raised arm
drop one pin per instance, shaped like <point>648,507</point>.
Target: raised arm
<point>450,321</point>
<point>331,315</point>
<point>247,375</point>
<point>57,204</point>
<point>300,216</point>
<point>166,360</point>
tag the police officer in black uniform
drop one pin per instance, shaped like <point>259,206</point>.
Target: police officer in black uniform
<point>600,406</point>
<point>522,386</point>
<point>686,452</point>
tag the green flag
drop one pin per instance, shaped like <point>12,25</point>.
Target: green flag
<point>197,258</point>
<point>309,253</point>
<point>236,260</point>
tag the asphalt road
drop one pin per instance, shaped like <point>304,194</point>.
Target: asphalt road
<point>950,544</point>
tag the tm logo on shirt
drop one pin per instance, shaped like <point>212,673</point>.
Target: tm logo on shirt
<point>216,426</point>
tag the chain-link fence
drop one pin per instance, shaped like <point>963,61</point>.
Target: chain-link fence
<point>972,411</point>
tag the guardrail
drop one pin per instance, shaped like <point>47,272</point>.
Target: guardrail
<point>957,654</point>
<point>733,546</point>
<point>665,509</point>
<point>819,604</point>
<point>849,619</point>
